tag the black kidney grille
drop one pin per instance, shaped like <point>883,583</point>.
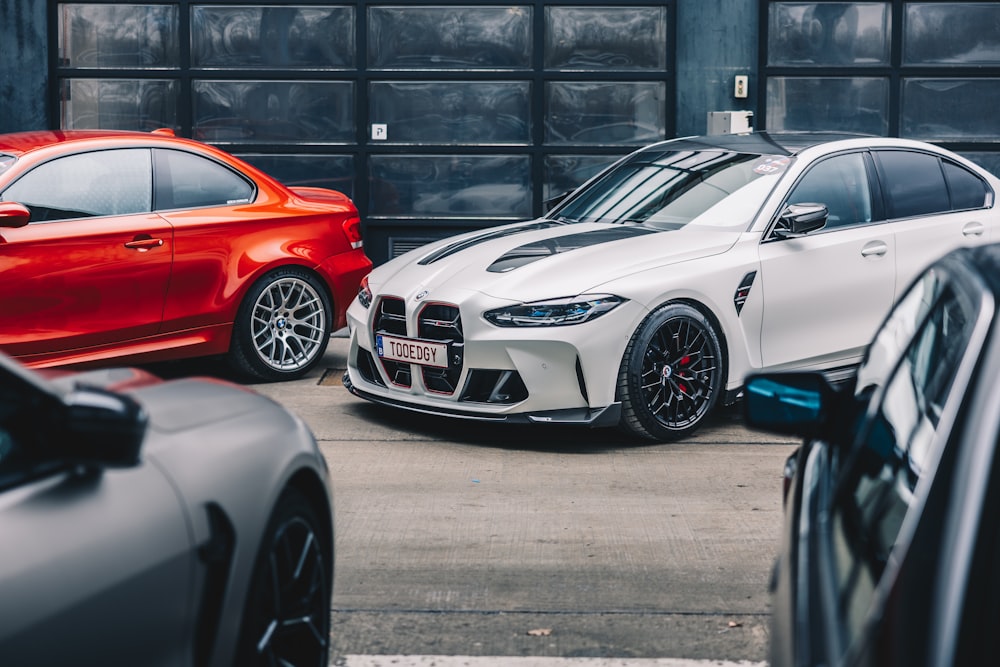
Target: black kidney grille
<point>442,321</point>
<point>391,319</point>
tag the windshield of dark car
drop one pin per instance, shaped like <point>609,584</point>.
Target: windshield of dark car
<point>670,189</point>
<point>6,161</point>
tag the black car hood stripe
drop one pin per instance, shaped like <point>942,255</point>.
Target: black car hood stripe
<point>533,252</point>
<point>453,248</point>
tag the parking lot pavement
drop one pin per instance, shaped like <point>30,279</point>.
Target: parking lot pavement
<point>455,538</point>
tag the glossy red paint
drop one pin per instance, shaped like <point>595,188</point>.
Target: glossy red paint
<point>163,281</point>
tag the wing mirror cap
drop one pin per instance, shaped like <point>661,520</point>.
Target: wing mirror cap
<point>100,428</point>
<point>13,214</point>
<point>799,219</point>
<point>802,404</point>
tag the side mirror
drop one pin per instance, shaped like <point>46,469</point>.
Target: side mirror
<point>100,428</point>
<point>789,403</point>
<point>799,219</point>
<point>13,214</point>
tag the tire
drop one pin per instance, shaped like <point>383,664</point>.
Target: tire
<point>282,327</point>
<point>287,617</point>
<point>671,374</point>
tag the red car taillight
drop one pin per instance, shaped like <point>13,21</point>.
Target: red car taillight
<point>352,230</point>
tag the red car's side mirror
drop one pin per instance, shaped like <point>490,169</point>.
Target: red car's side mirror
<point>13,214</point>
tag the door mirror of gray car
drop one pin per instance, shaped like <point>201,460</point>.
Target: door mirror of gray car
<point>799,219</point>
<point>100,428</point>
<point>13,214</point>
<point>790,403</point>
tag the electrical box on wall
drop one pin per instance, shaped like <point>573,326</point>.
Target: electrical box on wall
<point>740,87</point>
<point>730,122</point>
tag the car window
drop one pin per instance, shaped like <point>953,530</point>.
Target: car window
<point>895,450</point>
<point>897,331</point>
<point>841,184</point>
<point>6,161</point>
<point>913,183</point>
<point>967,190</point>
<point>186,180</point>
<point>98,183</point>
<point>670,189</point>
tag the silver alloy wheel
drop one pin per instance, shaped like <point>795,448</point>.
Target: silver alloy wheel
<point>288,324</point>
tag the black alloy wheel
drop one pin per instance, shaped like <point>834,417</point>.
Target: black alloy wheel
<point>287,617</point>
<point>671,374</point>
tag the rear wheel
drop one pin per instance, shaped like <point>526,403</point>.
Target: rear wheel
<point>283,326</point>
<point>671,374</point>
<point>287,617</point>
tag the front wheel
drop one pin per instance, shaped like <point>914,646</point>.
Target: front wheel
<point>287,617</point>
<point>671,374</point>
<point>282,327</point>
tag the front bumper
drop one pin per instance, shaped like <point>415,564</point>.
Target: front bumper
<point>593,417</point>
<point>563,375</point>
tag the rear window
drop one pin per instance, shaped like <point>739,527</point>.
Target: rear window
<point>967,190</point>
<point>6,161</point>
<point>914,183</point>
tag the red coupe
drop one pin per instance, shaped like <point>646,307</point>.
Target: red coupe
<point>127,246</point>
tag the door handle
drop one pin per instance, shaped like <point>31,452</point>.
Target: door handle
<point>143,243</point>
<point>875,248</point>
<point>973,229</point>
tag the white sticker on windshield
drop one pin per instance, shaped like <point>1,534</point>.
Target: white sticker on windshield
<point>771,164</point>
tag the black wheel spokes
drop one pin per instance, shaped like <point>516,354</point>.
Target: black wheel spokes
<point>677,371</point>
<point>295,634</point>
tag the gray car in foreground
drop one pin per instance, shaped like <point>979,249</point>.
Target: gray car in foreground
<point>148,522</point>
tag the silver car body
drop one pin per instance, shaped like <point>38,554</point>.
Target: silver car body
<point>151,563</point>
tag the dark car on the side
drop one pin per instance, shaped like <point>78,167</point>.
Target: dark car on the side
<point>891,541</point>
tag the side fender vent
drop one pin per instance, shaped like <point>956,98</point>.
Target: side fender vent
<point>743,291</point>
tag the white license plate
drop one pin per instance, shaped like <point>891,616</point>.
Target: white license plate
<point>412,351</point>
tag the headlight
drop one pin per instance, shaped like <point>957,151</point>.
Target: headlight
<point>555,312</point>
<point>365,293</point>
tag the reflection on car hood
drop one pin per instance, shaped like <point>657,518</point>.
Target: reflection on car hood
<point>546,258</point>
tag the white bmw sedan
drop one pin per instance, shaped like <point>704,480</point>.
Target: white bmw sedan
<point>645,297</point>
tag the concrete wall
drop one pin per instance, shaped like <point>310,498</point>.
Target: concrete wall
<point>23,65</point>
<point>716,40</point>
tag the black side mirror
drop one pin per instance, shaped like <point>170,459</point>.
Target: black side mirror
<point>790,403</point>
<point>13,214</point>
<point>799,219</point>
<point>100,428</point>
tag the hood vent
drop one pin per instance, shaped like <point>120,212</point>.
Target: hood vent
<point>450,250</point>
<point>533,252</point>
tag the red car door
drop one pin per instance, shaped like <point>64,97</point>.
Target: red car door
<point>92,266</point>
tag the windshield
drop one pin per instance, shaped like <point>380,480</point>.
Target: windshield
<point>6,161</point>
<point>670,189</point>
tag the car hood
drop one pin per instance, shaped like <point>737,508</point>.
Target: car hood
<point>543,258</point>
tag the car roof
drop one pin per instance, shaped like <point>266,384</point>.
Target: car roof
<point>19,143</point>
<point>759,143</point>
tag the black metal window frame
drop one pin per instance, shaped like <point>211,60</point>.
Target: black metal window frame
<point>363,147</point>
<point>896,71</point>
